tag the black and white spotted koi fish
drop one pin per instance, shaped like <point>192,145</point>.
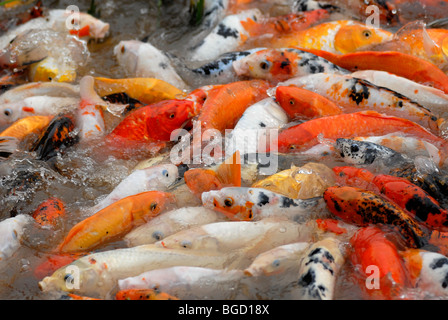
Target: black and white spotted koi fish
<point>355,94</point>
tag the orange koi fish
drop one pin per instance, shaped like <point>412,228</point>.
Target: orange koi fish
<point>414,200</point>
<point>115,220</point>
<point>49,211</point>
<point>145,90</point>
<point>352,176</point>
<point>298,103</point>
<point>371,248</point>
<point>227,174</point>
<point>363,207</point>
<point>21,128</point>
<point>398,63</point>
<point>143,294</point>
<point>339,37</point>
<point>364,123</point>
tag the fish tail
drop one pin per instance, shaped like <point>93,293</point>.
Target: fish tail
<point>7,146</point>
<point>229,172</point>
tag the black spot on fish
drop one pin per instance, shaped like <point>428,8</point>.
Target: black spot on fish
<point>359,96</point>
<point>314,252</point>
<point>336,206</point>
<point>262,125</point>
<point>439,263</point>
<point>307,279</point>
<point>262,199</point>
<point>225,31</point>
<point>287,202</point>
<point>163,65</point>
<point>285,63</point>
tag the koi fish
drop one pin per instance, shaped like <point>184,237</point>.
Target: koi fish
<point>49,211</point>
<point>228,173</point>
<point>277,260</point>
<point>339,37</point>
<point>84,26</point>
<point>155,178</point>
<point>429,97</point>
<point>319,267</point>
<point>363,207</point>
<point>256,127</point>
<point>143,60</point>
<point>171,222</point>
<point>417,202</point>
<point>305,182</point>
<point>370,247</point>
<point>107,267</point>
<point>434,183</point>
<point>299,103</point>
<point>282,64</point>
<point>217,71</point>
<point>58,136</point>
<point>353,176</point>
<point>224,106</point>
<point>188,282</point>
<point>22,128</point>
<point>398,63</point>
<point>408,146</point>
<point>354,94</point>
<point>150,127</point>
<point>366,153</point>
<point>115,220</point>
<point>143,294</point>
<point>89,114</point>
<point>227,36</point>
<point>12,231</point>
<point>243,203</point>
<point>249,238</point>
<point>364,123</point>
<point>145,90</point>
<point>427,271</point>
<point>36,106</point>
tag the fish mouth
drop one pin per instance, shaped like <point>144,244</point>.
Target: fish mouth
<point>179,182</point>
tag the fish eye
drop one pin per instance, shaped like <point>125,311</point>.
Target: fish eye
<point>276,263</point>
<point>7,112</point>
<point>165,173</point>
<point>157,235</point>
<point>250,215</point>
<point>292,102</point>
<point>292,147</point>
<point>265,65</point>
<point>354,148</point>
<point>69,278</point>
<point>153,206</point>
<point>171,116</point>
<point>185,244</point>
<point>228,202</point>
<point>367,33</point>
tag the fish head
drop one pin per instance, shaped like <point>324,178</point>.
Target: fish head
<point>201,180</point>
<point>74,277</point>
<point>154,202</point>
<point>351,38</point>
<point>354,152</point>
<point>195,238</point>
<point>161,176</point>
<point>234,202</point>
<point>87,26</point>
<point>286,97</point>
<point>167,116</point>
<point>10,113</point>
<point>127,54</point>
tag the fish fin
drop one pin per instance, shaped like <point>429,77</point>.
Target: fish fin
<point>7,146</point>
<point>200,180</point>
<point>229,172</point>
